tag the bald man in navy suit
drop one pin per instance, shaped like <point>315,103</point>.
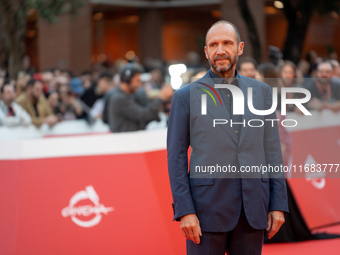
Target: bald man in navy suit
<point>220,212</point>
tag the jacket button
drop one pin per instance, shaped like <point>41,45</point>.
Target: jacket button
<point>239,151</point>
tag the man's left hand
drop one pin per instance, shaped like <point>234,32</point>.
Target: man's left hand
<point>275,221</point>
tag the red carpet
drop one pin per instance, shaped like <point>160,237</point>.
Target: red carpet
<point>330,246</point>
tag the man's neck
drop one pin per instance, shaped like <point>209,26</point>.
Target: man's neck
<point>8,104</point>
<point>287,82</point>
<point>229,75</point>
<point>32,99</point>
<point>323,85</point>
<point>108,90</point>
<point>125,87</point>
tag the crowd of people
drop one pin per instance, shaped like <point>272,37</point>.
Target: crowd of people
<point>128,98</point>
<point>56,95</point>
<point>320,77</point>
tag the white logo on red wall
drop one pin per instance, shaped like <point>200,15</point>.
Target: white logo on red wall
<point>317,179</point>
<point>86,211</point>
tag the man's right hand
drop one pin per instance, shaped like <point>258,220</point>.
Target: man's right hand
<point>190,227</point>
<point>51,120</point>
<point>166,92</point>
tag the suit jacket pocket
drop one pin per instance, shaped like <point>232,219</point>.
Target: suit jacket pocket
<point>201,181</point>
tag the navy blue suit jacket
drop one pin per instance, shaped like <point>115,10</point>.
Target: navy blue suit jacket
<point>217,202</point>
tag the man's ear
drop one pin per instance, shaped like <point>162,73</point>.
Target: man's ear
<point>206,52</point>
<point>240,48</point>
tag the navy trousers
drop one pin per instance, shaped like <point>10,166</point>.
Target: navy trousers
<point>242,240</point>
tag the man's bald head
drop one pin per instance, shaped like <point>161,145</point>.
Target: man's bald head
<point>325,65</point>
<point>224,22</point>
<point>324,72</point>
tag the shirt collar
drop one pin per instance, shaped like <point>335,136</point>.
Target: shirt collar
<point>2,104</point>
<point>4,107</point>
<point>219,80</point>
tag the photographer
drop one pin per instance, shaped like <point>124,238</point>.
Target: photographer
<point>124,113</point>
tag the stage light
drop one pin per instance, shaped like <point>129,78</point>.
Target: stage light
<point>130,55</point>
<point>98,16</point>
<point>176,82</point>
<point>175,72</point>
<point>102,58</point>
<point>278,4</point>
<point>177,69</point>
<point>216,14</point>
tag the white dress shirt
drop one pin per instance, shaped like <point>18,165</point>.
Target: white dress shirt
<point>21,117</point>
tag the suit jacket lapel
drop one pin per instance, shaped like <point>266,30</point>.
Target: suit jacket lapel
<point>216,111</point>
<point>247,114</point>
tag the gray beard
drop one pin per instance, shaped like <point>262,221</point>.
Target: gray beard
<point>226,68</point>
<point>324,81</point>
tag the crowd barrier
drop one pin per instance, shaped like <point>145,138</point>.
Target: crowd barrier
<point>70,127</point>
<point>110,194</point>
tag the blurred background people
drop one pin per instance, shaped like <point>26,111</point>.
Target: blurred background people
<point>22,80</point>
<point>267,73</point>
<point>274,55</point>
<point>287,73</point>
<point>197,74</point>
<point>336,67</point>
<point>35,104</point>
<point>86,79</point>
<point>303,67</point>
<point>156,79</point>
<point>104,87</point>
<point>54,103</point>
<point>90,95</point>
<point>247,67</point>
<point>325,89</point>
<point>11,113</point>
<point>76,86</point>
<point>124,113</point>
<point>70,107</point>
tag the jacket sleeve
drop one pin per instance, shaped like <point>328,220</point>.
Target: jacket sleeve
<point>36,121</point>
<point>45,112</point>
<point>25,117</point>
<point>178,141</point>
<point>9,121</point>
<point>272,146</point>
<point>133,111</point>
